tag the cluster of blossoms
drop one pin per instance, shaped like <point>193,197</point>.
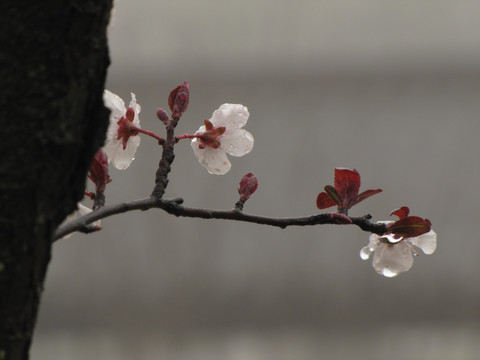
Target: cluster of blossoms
<point>394,249</point>
<point>223,134</point>
<point>220,135</point>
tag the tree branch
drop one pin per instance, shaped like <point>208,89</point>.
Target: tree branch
<point>175,207</point>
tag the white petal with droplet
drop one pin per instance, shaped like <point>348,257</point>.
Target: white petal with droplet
<point>214,160</point>
<point>237,142</point>
<point>427,242</point>
<point>232,116</point>
<point>119,157</point>
<point>391,260</point>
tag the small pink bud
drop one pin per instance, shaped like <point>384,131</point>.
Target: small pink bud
<point>248,185</point>
<point>178,99</point>
<point>162,115</point>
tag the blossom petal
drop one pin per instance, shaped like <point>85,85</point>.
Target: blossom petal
<point>119,157</point>
<point>232,116</point>
<point>427,242</point>
<point>237,142</point>
<point>214,160</point>
<point>114,103</point>
<point>391,260</point>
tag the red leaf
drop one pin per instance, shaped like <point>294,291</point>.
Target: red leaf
<point>332,192</point>
<point>347,184</point>
<point>410,226</point>
<point>401,212</point>
<point>324,201</point>
<point>366,194</point>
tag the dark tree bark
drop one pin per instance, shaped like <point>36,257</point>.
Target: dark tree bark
<point>53,61</point>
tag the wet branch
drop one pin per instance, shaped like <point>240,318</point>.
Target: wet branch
<point>175,207</point>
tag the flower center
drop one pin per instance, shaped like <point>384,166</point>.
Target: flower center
<point>211,136</point>
<point>126,127</point>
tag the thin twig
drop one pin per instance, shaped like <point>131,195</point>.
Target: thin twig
<point>176,208</point>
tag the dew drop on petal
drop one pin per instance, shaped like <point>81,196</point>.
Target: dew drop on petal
<point>391,260</point>
<point>365,252</point>
<point>388,273</point>
<point>238,142</point>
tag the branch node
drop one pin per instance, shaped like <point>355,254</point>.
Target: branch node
<point>239,205</point>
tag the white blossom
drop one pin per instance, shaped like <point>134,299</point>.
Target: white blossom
<point>119,156</point>
<point>394,256</point>
<point>234,141</point>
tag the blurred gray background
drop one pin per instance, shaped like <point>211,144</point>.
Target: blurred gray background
<point>389,88</point>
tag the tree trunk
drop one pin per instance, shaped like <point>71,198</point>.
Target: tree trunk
<point>53,62</point>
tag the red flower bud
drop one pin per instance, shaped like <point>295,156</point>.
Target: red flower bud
<point>99,171</point>
<point>162,115</point>
<point>248,185</point>
<point>178,99</point>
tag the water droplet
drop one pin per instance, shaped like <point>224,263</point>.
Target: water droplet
<point>365,253</point>
<point>388,273</point>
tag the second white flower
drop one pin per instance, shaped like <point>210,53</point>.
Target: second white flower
<point>234,140</point>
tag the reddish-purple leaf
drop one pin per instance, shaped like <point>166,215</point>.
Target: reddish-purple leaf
<point>366,194</point>
<point>324,201</point>
<point>332,192</point>
<point>347,184</point>
<point>410,226</point>
<point>401,212</point>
